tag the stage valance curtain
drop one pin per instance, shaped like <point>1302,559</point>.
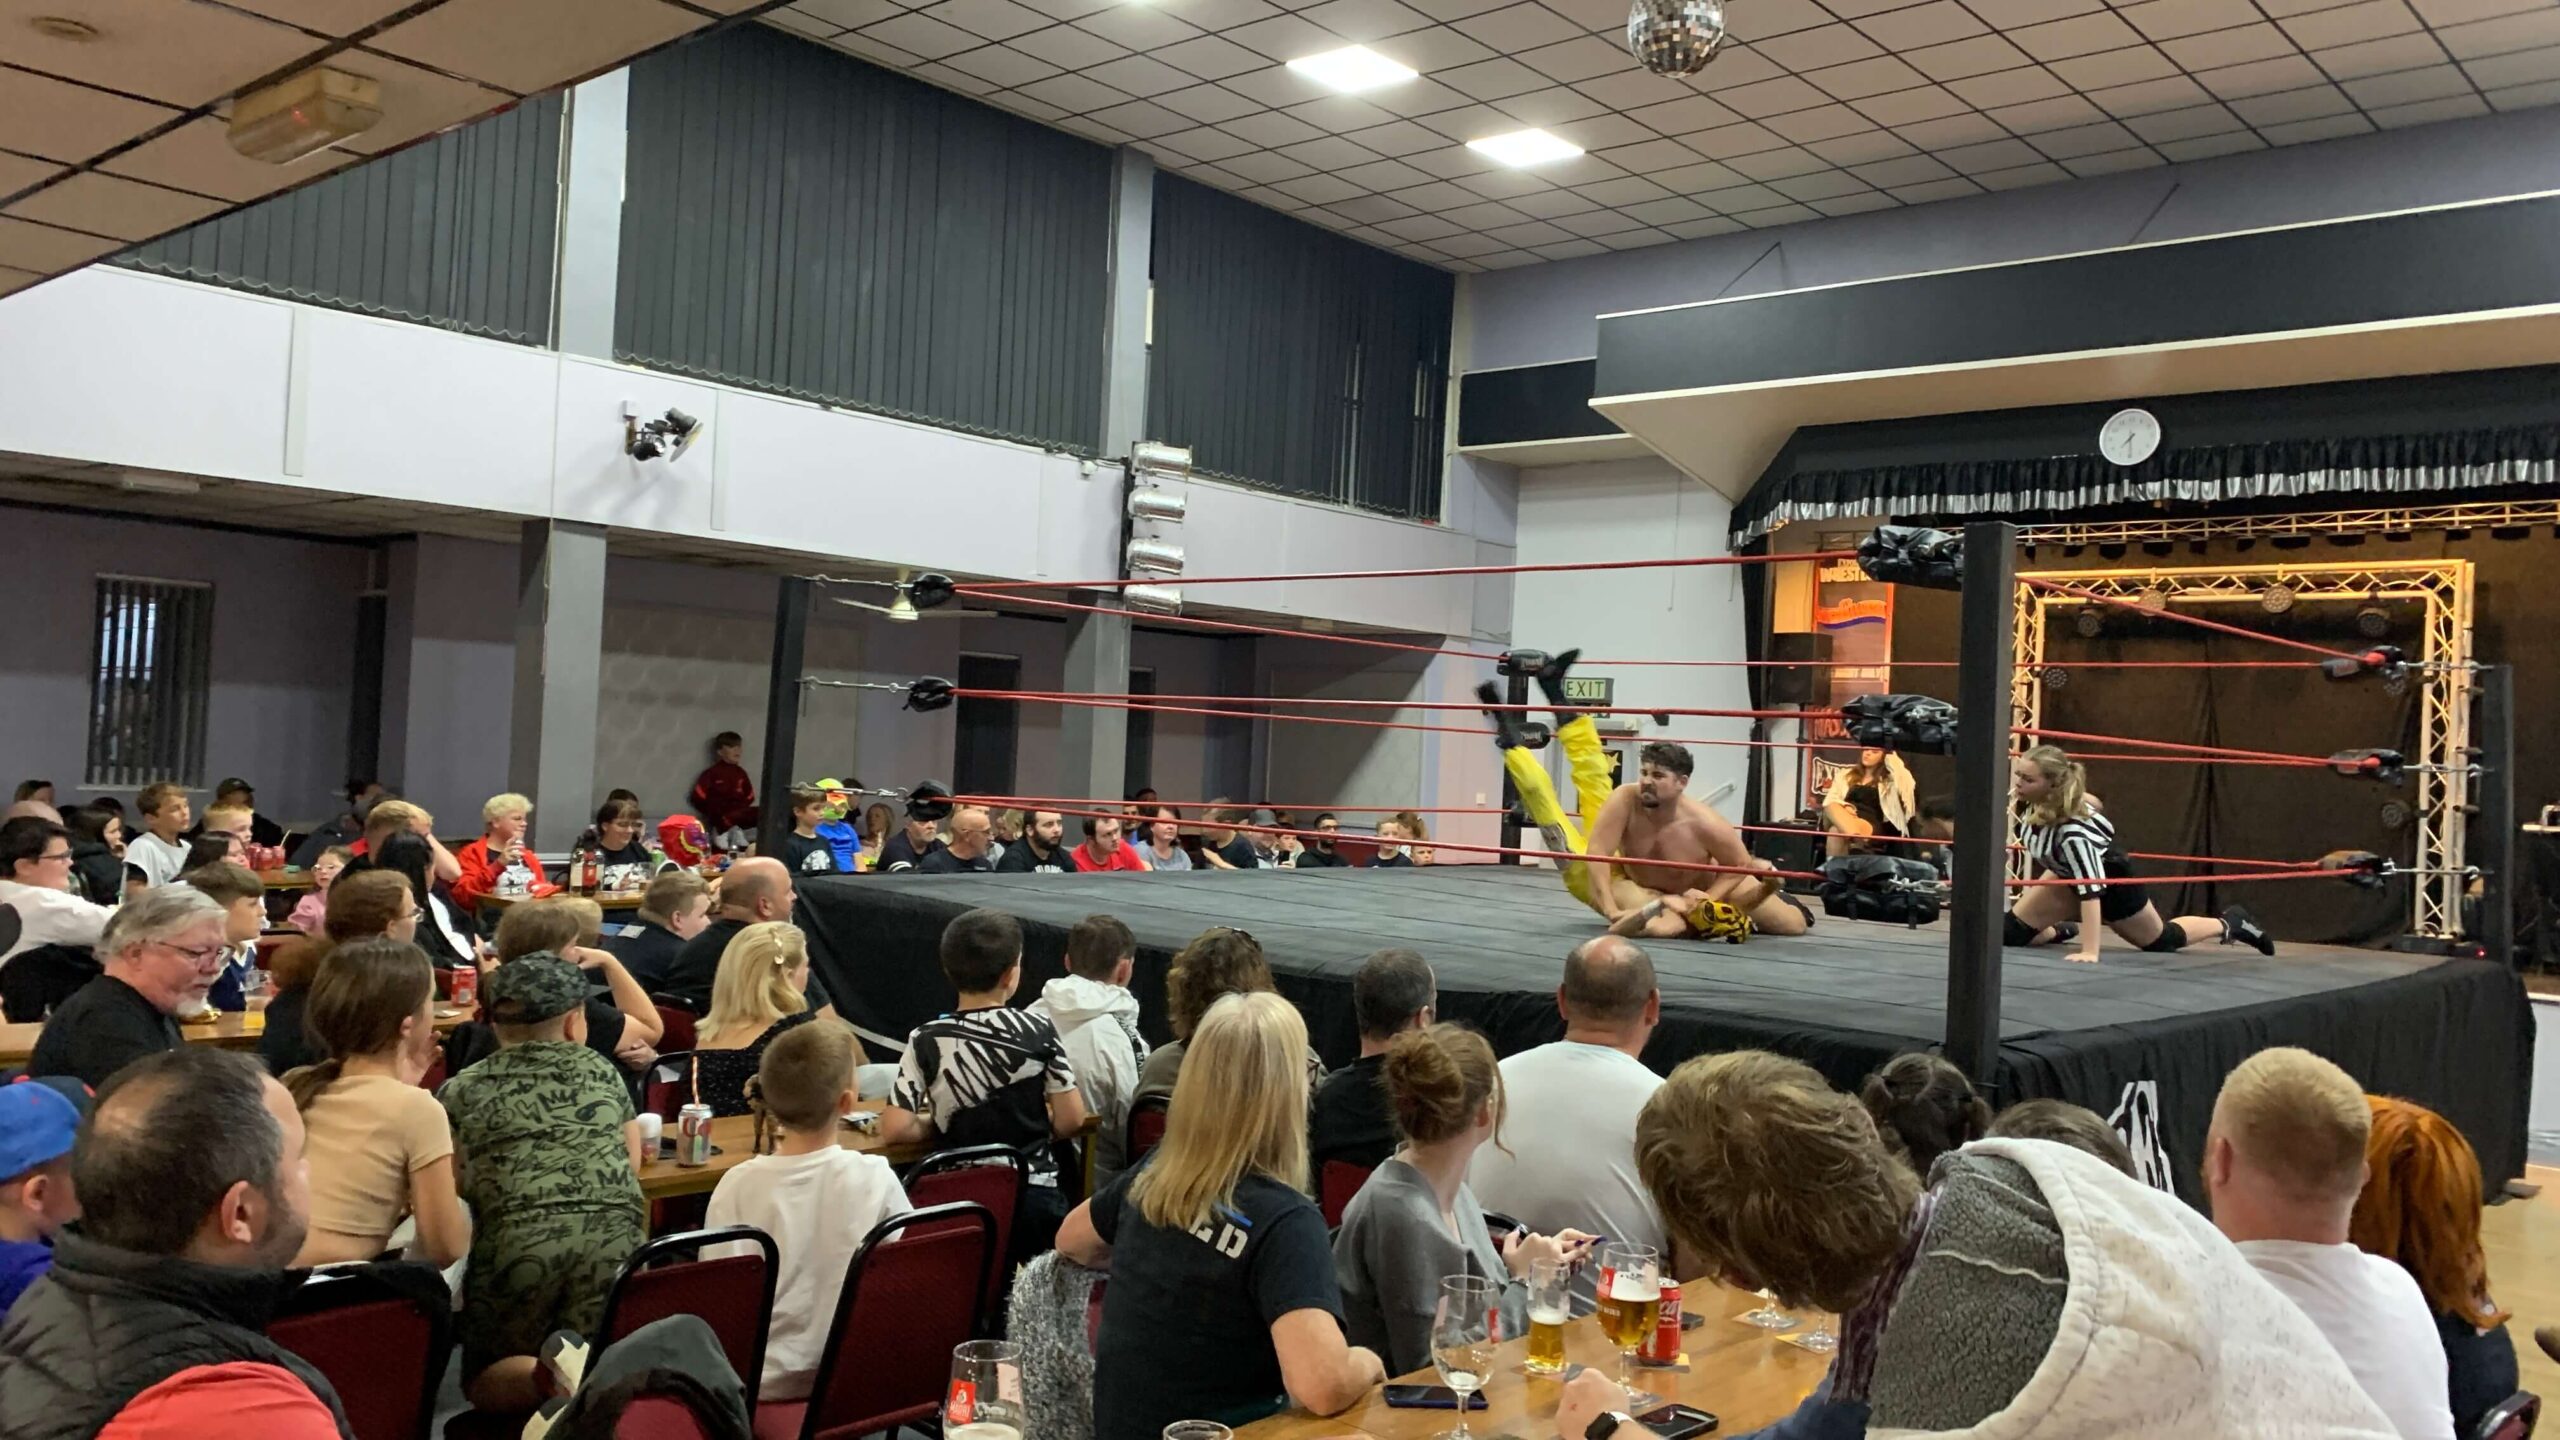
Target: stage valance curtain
<point>2432,464</point>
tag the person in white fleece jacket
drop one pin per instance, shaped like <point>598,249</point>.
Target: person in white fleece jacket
<point>1097,1020</point>
<point>2031,1291</point>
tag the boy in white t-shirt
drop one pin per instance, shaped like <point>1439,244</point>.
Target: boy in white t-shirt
<point>814,1197</point>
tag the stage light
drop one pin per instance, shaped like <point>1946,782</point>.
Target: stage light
<point>1151,504</point>
<point>2291,542</point>
<point>2089,622</point>
<point>1523,148</point>
<point>2153,599</point>
<point>1352,69</point>
<point>2111,552</point>
<point>2276,599</point>
<point>2158,547</point>
<point>1159,557</point>
<point>2373,622</point>
<point>1155,599</point>
<point>2510,532</point>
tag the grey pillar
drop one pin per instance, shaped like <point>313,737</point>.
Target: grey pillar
<point>1133,219</point>
<point>1231,742</point>
<point>782,710</point>
<point>551,734</point>
<point>1093,741</point>
<point>590,257</point>
<point>1979,899</point>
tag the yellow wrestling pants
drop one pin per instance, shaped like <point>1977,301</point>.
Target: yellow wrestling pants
<point>1589,762</point>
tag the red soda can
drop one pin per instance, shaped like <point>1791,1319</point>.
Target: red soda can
<point>466,985</point>
<point>1663,1346</point>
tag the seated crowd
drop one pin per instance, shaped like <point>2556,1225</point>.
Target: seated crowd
<point>1992,1272</point>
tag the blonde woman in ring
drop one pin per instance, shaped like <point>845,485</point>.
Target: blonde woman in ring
<point>758,995</point>
<point>2067,835</point>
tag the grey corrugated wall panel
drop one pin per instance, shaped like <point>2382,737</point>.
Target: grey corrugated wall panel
<point>455,232</point>
<point>801,222</point>
<point>1261,322</point>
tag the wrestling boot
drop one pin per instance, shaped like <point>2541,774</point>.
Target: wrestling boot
<point>1510,730</point>
<point>1551,681</point>
<point>2239,927</point>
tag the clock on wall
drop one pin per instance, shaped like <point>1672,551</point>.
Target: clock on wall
<point>2129,437</point>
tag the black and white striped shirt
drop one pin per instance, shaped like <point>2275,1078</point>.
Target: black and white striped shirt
<point>2082,849</point>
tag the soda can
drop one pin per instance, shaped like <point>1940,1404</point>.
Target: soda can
<point>693,1135</point>
<point>1663,1346</point>
<point>466,985</point>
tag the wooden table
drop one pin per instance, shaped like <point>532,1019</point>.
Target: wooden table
<point>287,878</point>
<point>1746,1376</point>
<point>733,1139</point>
<point>232,1030</point>
<point>494,903</point>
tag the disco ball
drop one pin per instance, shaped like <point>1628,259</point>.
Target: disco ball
<point>1675,37</point>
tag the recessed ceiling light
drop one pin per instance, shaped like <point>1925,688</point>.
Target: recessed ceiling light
<point>63,27</point>
<point>1523,148</point>
<point>1351,69</point>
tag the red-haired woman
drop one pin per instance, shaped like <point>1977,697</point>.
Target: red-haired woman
<point>2421,1210</point>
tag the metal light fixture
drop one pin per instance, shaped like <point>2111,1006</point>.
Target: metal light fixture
<point>2276,599</point>
<point>1675,37</point>
<point>1149,555</point>
<point>2089,622</point>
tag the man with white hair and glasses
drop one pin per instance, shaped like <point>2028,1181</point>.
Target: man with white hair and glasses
<point>162,952</point>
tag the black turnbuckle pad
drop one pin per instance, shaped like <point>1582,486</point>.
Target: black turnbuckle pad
<point>931,590</point>
<point>1523,663</point>
<point>2387,661</point>
<point>2361,868</point>
<point>930,693</point>
<point>1913,555</point>
<point>1920,724</point>
<point>2387,766</point>
<point>928,801</point>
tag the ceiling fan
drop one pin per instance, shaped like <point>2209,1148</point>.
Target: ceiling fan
<point>902,608</point>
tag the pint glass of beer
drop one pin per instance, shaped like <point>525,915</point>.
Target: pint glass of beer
<point>1630,1292</point>
<point>1550,1310</point>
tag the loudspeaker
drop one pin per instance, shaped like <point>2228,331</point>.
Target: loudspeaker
<point>1800,681</point>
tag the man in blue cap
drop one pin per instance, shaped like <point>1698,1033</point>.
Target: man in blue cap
<point>38,1121</point>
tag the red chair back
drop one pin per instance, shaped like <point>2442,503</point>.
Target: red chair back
<point>661,1417</point>
<point>677,1021</point>
<point>910,1295</point>
<point>669,1085</point>
<point>383,1351</point>
<point>733,1294</point>
<point>988,1175</point>
<point>1339,1181</point>
<point>1146,1127</point>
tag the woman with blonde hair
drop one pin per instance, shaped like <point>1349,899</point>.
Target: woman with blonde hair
<point>1416,1221</point>
<point>756,998</point>
<point>2068,838</point>
<point>380,1147</point>
<point>2420,1209</point>
<point>1222,1299</point>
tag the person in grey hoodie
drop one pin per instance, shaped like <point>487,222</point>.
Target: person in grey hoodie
<point>1097,1020</point>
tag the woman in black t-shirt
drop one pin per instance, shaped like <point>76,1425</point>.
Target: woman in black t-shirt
<point>1223,1303</point>
<point>623,862</point>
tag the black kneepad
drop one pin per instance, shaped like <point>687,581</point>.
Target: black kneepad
<point>2014,931</point>
<point>2170,938</point>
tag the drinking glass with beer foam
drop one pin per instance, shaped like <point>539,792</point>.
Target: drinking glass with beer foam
<point>985,1398</point>
<point>1550,1310</point>
<point>1630,1292</point>
<point>1465,1332</point>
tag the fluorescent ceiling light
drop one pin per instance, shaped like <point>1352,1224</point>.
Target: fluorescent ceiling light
<point>1523,148</point>
<point>1352,69</point>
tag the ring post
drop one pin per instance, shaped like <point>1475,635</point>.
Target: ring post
<point>1515,692</point>
<point>2493,838</point>
<point>1986,648</point>
<point>782,709</point>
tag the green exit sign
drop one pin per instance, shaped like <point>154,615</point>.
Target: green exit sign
<point>1596,690</point>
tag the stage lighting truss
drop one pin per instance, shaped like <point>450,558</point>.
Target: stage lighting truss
<point>2439,592</point>
<point>1150,550</point>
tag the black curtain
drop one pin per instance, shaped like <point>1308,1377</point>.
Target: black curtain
<point>1287,356</point>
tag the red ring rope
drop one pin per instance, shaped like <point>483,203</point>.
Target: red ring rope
<point>2212,752</point>
<point>1143,701</point>
<point>2213,879</point>
<point>1924,840</point>
<point>1574,566</point>
<point>2243,632</point>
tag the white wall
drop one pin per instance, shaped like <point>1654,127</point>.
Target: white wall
<point>1640,510</point>
<point>283,641</point>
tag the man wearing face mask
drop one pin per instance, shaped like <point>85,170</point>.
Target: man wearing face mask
<point>1320,855</point>
<point>195,1194</point>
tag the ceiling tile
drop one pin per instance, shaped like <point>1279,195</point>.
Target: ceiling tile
<point>1980,55</point>
<point>1995,156</point>
<point>1679,117</point>
<point>2290,72</point>
<point>1774,97</point>
<point>1740,199</point>
<point>1067,46</point>
<point>58,120</point>
<point>17,172</point>
<point>2209,146</point>
<point>842,15</point>
<point>1632,89</point>
<point>2303,132</point>
<point>1456,9</point>
<point>526,48</point>
<point>1208,142</point>
<point>1691,179</point>
<point>1340,114</point>
<point>1439,196</point>
<point>1431,49</point>
<point>1861,149</point>
<point>25,245</point>
<point>1602,132</point>
<point>1774,165</point>
<point>2079,140</point>
<point>1271,130</point>
<point>1216,15</point>
<point>2170,19</point>
<point>878,52</point>
<point>1857,204</point>
<point>1555,105</point>
<point>1726,141</point>
<point>1600,222</point>
<point>1879,76</point>
<point>1318,189</point>
<point>1330,152</point>
<point>2059,113</point>
<point>2110,68</point>
<point>2527,31</point>
<point>1485,216</point>
<point>1143,27</point>
<point>1903,107</point>
<point>799,22</point>
<point>920,34</point>
<point>2441,13</point>
<point>1825,123</point>
<point>1668,212</point>
<point>1585,57</point>
<point>1074,93</point>
<point>1507,259</point>
<point>1418,97</point>
<point>198,156</point>
<point>1400,137</point>
<point>1909,170</point>
<point>329,17</point>
<point>2308,103</point>
<point>1001,65</point>
<point>1703,229</point>
<point>1552,204</point>
<point>1735,66</point>
<point>1363,20</point>
<point>2381,57</point>
<point>1382,175</point>
<point>1284,38</point>
<point>1827,45</point>
<point>1650,155</point>
<point>2079,35</point>
<point>2041,173</point>
<point>2433,82</point>
<point>2427,112</point>
<point>1493,79</point>
<point>1636,239</point>
<point>1533,232</point>
<point>2019,14</point>
<point>1572,249</point>
<point>1922,194</point>
<point>1278,85</point>
<point>1922,26</point>
<point>2285,9</point>
<point>1207,104</point>
<point>1142,119</point>
<point>1581,170</point>
<point>177,54</point>
<point>1420,227</point>
<point>2229,47</point>
<point>2009,87</point>
<point>1264,167</point>
<point>1515,28</point>
<point>1823,185</point>
<point>2524,97</point>
<point>2350,24</point>
<point>2189,124</point>
<point>2150,97</point>
<point>1633,190</point>
<point>994,19</point>
<point>416,101</point>
<point>1938,135</point>
<point>2499,72</point>
<point>106,205</point>
<point>2111,163</point>
<point>1140,75</point>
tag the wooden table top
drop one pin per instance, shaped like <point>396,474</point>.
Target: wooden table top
<point>232,1030</point>
<point>286,879</point>
<point>733,1138</point>
<point>629,900</point>
<point>1746,1376</point>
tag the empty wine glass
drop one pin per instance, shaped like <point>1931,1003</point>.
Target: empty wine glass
<point>1768,1316</point>
<point>1823,1338</point>
<point>1465,1332</point>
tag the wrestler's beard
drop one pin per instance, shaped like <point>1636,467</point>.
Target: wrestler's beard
<point>1650,800</point>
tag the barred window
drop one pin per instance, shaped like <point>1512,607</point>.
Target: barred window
<point>150,683</point>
